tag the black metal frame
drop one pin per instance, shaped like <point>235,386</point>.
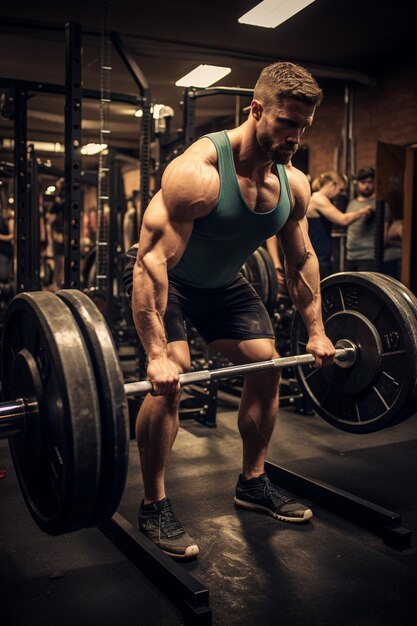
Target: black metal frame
<point>29,86</point>
<point>114,231</point>
<point>27,270</point>
<point>24,271</point>
<point>73,119</point>
<point>379,520</point>
<point>187,593</point>
<point>146,123</point>
<point>190,101</point>
<point>35,248</point>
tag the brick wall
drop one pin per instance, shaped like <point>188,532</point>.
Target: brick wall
<point>386,111</point>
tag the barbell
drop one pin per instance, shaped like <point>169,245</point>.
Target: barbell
<point>65,410</point>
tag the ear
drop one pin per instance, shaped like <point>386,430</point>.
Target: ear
<point>256,110</point>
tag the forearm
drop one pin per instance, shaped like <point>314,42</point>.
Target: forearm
<point>149,300</point>
<point>304,287</point>
<point>350,218</point>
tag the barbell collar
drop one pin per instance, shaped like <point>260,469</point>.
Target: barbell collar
<point>344,355</point>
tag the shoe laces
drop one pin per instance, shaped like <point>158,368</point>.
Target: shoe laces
<point>167,520</point>
<point>278,498</point>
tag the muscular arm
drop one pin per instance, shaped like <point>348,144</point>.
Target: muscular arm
<point>302,272</point>
<point>164,236</point>
<point>189,190</point>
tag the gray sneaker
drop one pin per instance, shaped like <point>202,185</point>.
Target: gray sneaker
<point>158,522</point>
<point>259,494</point>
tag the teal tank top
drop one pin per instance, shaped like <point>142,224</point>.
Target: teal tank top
<point>221,241</point>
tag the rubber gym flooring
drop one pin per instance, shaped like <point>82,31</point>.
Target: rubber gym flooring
<point>257,570</point>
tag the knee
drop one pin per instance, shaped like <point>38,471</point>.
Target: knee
<point>265,384</point>
<point>180,355</point>
<point>162,405</point>
<point>183,365</point>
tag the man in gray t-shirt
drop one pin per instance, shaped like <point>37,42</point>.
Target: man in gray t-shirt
<point>360,245</point>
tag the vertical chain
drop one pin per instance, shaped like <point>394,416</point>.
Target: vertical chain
<point>103,206</point>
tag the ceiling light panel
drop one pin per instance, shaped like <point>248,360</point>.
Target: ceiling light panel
<point>271,13</point>
<point>203,76</point>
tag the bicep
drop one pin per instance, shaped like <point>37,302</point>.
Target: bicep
<point>164,235</point>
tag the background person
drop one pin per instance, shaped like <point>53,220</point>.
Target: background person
<point>322,214</point>
<point>360,243</point>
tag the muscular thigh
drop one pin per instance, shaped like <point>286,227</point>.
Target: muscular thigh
<point>263,384</point>
<point>246,351</point>
<point>179,352</point>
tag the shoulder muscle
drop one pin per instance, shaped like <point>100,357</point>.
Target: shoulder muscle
<point>190,184</point>
<point>300,190</point>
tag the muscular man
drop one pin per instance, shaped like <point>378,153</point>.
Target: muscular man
<point>219,201</point>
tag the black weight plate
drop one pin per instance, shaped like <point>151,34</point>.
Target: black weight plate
<point>409,297</point>
<point>409,302</point>
<point>113,404</point>
<point>271,302</point>
<point>376,390</point>
<point>42,346</point>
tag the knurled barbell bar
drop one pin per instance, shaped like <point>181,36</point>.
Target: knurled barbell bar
<point>13,413</point>
<point>66,410</point>
<point>344,357</point>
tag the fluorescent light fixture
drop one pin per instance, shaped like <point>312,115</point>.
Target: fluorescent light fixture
<point>270,13</point>
<point>50,190</point>
<point>93,148</point>
<point>203,76</point>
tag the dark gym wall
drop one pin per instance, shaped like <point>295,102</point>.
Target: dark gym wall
<point>385,112</point>
<point>325,134</point>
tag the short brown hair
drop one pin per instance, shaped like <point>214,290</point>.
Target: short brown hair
<point>286,80</point>
<point>365,172</point>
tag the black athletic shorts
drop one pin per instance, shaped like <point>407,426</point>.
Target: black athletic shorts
<point>234,311</point>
